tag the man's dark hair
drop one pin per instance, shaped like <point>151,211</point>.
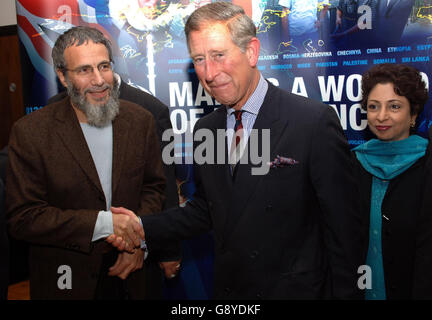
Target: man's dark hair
<point>77,36</point>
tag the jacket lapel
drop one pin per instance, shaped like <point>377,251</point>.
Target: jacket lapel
<point>120,145</point>
<point>221,171</point>
<point>70,132</point>
<point>219,174</point>
<point>269,117</point>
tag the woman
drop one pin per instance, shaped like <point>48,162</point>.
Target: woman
<point>390,176</point>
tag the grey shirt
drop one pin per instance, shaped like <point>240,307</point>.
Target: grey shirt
<point>100,143</point>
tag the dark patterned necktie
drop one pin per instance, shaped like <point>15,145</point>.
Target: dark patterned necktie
<point>238,126</point>
<point>236,148</point>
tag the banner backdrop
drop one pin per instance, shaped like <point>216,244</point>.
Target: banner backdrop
<point>314,48</point>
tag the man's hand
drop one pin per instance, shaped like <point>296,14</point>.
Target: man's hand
<point>127,263</point>
<point>127,229</point>
<point>118,243</point>
<point>170,268</point>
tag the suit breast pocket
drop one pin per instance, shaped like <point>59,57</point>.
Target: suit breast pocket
<point>283,172</point>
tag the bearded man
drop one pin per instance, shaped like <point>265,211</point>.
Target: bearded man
<point>69,163</point>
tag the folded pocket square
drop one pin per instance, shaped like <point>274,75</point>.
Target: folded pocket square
<point>279,162</point>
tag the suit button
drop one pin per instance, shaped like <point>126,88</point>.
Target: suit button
<point>254,254</point>
<point>259,295</point>
<point>269,208</point>
<point>227,290</point>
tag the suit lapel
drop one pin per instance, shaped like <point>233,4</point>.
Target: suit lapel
<point>220,173</point>
<point>245,183</point>
<point>70,132</point>
<point>223,173</point>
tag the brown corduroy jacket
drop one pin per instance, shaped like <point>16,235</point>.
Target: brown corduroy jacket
<point>54,193</point>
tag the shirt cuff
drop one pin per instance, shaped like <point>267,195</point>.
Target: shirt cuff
<point>104,226</point>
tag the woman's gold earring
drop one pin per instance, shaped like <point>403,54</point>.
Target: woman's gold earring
<point>412,125</point>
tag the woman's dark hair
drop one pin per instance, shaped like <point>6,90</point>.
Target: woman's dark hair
<point>407,82</point>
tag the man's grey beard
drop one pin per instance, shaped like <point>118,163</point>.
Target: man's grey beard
<point>97,115</point>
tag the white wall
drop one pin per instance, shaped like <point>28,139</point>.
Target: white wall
<point>7,13</point>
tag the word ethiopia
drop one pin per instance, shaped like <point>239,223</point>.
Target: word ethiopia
<point>210,148</point>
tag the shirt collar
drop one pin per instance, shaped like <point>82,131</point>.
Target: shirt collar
<point>253,104</point>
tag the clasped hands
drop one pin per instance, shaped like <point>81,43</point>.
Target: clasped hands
<point>127,237</point>
<point>128,233</point>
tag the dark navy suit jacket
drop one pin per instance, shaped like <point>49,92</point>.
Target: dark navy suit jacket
<point>293,233</point>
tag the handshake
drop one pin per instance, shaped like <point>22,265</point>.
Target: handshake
<point>128,233</point>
